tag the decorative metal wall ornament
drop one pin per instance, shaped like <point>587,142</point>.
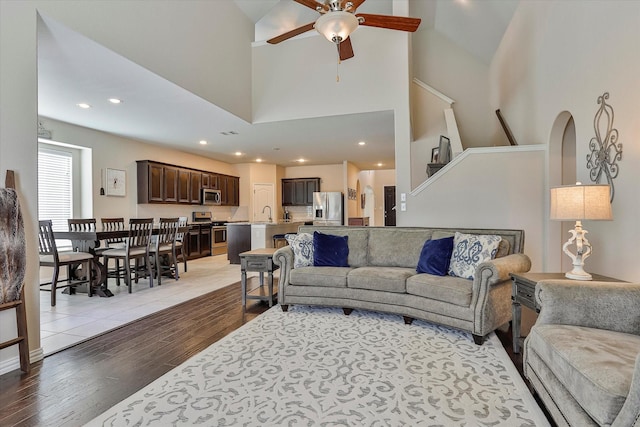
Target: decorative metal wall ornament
<point>605,150</point>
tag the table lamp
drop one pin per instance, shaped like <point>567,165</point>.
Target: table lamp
<point>577,203</point>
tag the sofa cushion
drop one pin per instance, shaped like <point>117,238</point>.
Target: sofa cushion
<point>435,256</point>
<point>330,250</point>
<point>469,251</point>
<point>335,277</point>
<point>396,248</point>
<point>594,365</point>
<point>450,289</point>
<point>302,246</point>
<point>388,279</point>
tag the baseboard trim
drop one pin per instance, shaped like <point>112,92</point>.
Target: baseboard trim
<point>14,362</point>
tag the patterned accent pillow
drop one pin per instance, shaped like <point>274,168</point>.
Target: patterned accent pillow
<point>302,246</point>
<point>469,251</point>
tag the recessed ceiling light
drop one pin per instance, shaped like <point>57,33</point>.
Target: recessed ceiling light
<point>361,143</point>
<point>83,105</point>
<point>301,160</point>
<point>115,100</point>
<point>380,164</point>
<point>203,142</point>
<point>259,160</point>
<point>238,153</point>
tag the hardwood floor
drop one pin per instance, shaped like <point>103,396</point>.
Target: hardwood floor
<point>75,385</point>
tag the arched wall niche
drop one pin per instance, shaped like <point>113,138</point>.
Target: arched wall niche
<point>561,171</point>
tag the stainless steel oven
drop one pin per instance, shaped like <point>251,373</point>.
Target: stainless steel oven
<point>218,239</point>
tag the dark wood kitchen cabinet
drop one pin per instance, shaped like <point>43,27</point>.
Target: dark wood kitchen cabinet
<point>299,191</point>
<point>199,241</point>
<point>195,185</point>
<point>165,183</point>
<point>229,187</point>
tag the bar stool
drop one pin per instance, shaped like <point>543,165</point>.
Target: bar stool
<point>280,238</point>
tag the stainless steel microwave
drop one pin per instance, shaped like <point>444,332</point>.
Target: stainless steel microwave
<point>211,197</point>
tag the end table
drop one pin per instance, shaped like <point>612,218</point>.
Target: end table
<point>524,290</point>
<point>260,260</point>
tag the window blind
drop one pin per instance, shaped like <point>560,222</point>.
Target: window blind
<point>55,187</point>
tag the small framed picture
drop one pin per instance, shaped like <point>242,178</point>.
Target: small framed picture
<point>444,150</point>
<point>434,154</point>
<point>116,183</point>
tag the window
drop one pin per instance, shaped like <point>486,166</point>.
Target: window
<point>55,185</point>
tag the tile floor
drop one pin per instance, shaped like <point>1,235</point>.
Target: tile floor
<point>76,318</point>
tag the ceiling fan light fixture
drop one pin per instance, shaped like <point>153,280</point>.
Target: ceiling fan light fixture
<point>336,26</point>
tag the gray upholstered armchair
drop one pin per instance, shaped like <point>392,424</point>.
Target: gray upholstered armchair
<point>583,354</point>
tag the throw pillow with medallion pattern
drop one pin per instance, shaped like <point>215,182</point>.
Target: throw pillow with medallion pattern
<point>302,246</point>
<point>469,251</point>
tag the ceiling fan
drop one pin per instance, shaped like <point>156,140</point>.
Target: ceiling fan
<point>338,20</point>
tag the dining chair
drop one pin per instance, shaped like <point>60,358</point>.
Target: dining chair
<point>180,243</point>
<point>113,224</point>
<point>88,224</point>
<point>50,257</point>
<point>165,245</point>
<point>136,248</point>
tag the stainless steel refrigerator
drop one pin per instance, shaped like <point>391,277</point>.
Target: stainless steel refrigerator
<point>327,208</point>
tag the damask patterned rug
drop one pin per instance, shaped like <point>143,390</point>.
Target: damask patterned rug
<point>315,366</point>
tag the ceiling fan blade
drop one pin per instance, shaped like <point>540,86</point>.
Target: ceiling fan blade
<point>356,4</point>
<point>392,22</point>
<point>292,33</point>
<point>312,4</point>
<point>345,49</point>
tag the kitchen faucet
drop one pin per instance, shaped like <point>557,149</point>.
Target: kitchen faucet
<point>267,206</point>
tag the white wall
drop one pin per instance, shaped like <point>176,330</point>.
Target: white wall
<point>450,69</point>
<point>560,57</point>
<point>427,124</point>
<point>492,187</point>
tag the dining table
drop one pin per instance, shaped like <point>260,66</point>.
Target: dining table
<point>90,241</point>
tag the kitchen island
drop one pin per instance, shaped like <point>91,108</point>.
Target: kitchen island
<point>247,236</point>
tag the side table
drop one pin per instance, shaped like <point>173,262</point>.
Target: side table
<point>258,260</point>
<point>524,290</point>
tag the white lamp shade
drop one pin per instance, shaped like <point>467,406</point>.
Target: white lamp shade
<point>580,202</point>
<point>336,26</point>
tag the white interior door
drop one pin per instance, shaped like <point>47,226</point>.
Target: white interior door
<point>263,196</point>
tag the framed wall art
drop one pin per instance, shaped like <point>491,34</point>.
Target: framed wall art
<point>116,182</point>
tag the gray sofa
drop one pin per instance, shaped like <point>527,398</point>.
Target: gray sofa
<point>583,354</point>
<point>382,277</point>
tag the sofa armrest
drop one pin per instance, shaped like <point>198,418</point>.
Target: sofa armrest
<point>499,268</point>
<point>629,415</point>
<point>283,257</point>
<point>601,305</point>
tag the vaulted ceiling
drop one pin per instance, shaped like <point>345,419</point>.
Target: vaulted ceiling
<point>73,69</point>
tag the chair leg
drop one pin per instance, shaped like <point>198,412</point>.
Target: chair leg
<point>117,271</point>
<point>54,283</point>
<point>175,263</point>
<point>147,261</point>
<point>88,278</point>
<point>158,267</point>
<point>127,278</point>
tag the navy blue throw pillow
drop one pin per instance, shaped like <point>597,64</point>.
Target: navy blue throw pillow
<point>435,256</point>
<point>330,250</point>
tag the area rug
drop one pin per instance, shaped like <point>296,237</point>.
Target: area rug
<point>315,366</point>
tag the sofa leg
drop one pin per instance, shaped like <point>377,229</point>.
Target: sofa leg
<point>407,320</point>
<point>478,339</point>
<point>285,307</point>
<point>347,311</point>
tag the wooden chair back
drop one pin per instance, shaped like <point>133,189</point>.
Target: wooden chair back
<point>167,232</point>
<point>88,224</point>
<point>113,224</point>
<point>140,230</point>
<point>46,241</point>
<point>182,222</point>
